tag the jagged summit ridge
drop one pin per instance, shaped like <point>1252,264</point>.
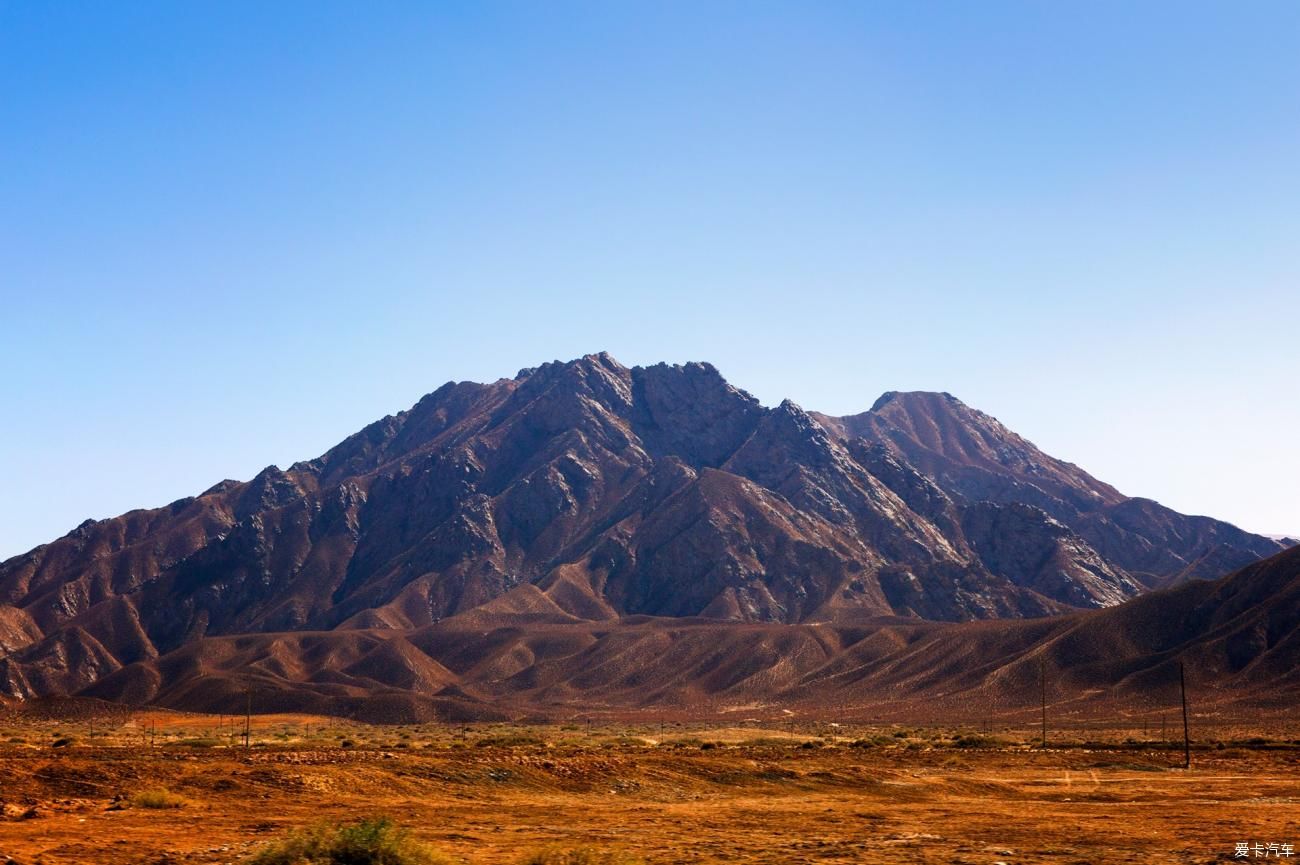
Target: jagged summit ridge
<point>586,490</point>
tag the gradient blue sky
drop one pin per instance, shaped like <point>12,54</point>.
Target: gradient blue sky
<point>233,233</point>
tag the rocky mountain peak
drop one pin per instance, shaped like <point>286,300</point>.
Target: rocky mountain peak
<point>590,489</point>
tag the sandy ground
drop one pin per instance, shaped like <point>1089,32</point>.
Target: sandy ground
<point>490,795</point>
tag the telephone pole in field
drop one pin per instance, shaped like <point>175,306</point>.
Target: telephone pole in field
<point>248,714</point>
<point>1042,683</point>
<point>1187,738</point>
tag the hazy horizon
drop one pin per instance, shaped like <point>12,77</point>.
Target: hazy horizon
<point>232,235</point>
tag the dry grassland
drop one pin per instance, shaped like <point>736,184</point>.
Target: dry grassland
<point>170,788</point>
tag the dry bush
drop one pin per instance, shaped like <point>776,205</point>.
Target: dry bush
<point>367,842</point>
<point>159,797</point>
<point>972,740</point>
<point>510,740</point>
<point>579,856</point>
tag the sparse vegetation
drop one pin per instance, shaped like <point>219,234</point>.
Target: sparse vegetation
<point>585,780</point>
<point>366,842</point>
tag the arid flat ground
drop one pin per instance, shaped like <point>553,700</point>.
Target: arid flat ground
<point>666,794</point>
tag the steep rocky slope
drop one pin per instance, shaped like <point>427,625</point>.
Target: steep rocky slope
<point>588,491</point>
<point>974,458</point>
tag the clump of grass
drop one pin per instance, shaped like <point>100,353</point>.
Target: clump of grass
<point>158,798</point>
<point>63,741</point>
<point>366,842</point>
<point>579,856</point>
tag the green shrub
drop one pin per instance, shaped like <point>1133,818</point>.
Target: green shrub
<point>578,856</point>
<point>367,842</point>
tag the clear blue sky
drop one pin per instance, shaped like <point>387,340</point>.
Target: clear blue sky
<point>233,233</point>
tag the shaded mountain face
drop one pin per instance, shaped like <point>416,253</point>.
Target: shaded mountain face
<point>1238,638</point>
<point>589,491</point>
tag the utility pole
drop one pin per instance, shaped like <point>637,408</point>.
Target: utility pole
<point>248,715</point>
<point>1042,680</point>
<point>1187,739</point>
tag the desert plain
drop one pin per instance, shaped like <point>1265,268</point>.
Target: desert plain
<point>156,787</point>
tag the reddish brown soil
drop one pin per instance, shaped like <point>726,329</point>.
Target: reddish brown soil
<point>490,795</point>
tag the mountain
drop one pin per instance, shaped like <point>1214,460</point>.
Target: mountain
<point>1238,637</point>
<point>590,492</point>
